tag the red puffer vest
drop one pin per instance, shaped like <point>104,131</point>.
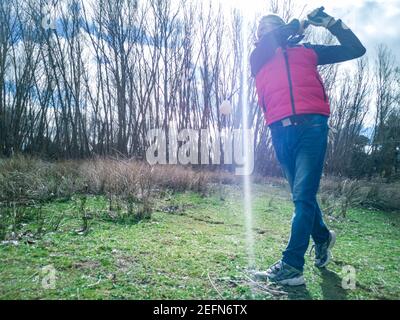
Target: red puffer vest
<point>290,84</point>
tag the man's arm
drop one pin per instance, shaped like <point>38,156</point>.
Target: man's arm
<point>350,46</point>
<point>268,44</point>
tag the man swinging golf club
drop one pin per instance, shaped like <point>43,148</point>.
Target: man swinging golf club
<point>296,108</point>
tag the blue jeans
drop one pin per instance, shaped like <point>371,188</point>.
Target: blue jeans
<point>301,152</point>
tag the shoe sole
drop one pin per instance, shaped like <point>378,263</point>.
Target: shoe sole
<point>294,282</point>
<point>331,245</point>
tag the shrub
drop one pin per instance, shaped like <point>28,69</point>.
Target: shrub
<point>24,180</point>
<point>338,195</point>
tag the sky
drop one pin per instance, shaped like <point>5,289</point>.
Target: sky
<point>373,21</point>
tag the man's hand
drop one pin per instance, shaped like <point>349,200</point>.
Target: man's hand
<point>320,19</point>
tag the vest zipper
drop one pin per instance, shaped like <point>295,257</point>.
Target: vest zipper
<point>290,80</point>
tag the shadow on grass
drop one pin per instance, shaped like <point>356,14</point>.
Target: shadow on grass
<point>298,293</point>
<point>332,286</point>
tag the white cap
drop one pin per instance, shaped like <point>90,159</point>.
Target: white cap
<point>268,23</point>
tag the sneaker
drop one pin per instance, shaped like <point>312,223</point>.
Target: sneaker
<point>282,273</point>
<point>323,251</point>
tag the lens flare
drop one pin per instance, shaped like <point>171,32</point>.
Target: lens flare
<point>247,141</point>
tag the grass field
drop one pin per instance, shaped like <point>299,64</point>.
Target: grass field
<point>193,247</point>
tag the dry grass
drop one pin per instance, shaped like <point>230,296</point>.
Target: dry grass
<point>338,195</point>
<point>132,188</point>
<point>24,179</point>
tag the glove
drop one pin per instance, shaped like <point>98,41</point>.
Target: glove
<point>320,19</point>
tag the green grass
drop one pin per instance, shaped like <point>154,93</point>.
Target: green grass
<point>197,252</point>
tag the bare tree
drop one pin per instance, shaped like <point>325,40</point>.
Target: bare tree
<point>112,70</point>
